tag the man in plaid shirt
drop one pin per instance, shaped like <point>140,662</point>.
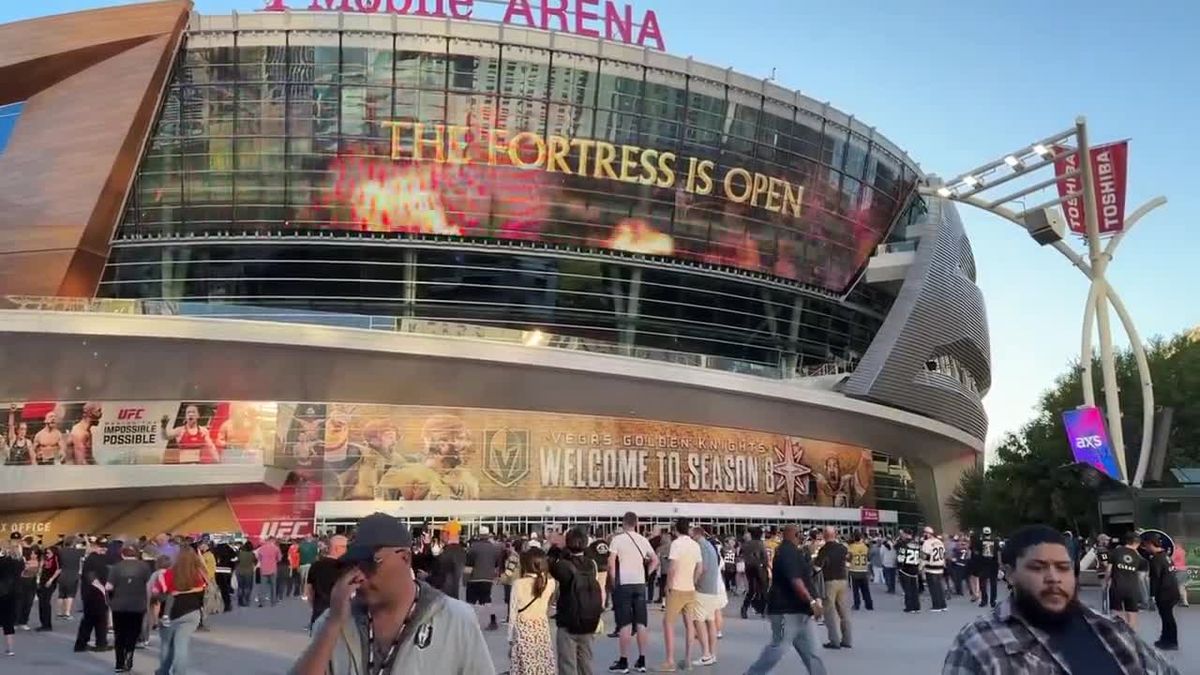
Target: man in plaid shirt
<point>1043,628</point>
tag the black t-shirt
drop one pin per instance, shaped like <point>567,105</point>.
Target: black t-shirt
<point>483,557</point>
<point>226,556</point>
<point>322,576</point>
<point>789,564</point>
<point>71,559</point>
<point>1082,649</point>
<point>987,550</point>
<point>1103,557</point>
<point>1125,566</point>
<point>423,562</point>
<point>95,567</point>
<point>10,572</point>
<point>754,553</point>
<point>450,564</point>
<point>832,560</point>
<point>1162,580</point>
<point>597,552</point>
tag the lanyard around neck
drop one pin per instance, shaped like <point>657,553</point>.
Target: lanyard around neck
<point>394,650</point>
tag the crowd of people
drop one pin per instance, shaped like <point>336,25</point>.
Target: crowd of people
<point>374,594</point>
<point>133,589</point>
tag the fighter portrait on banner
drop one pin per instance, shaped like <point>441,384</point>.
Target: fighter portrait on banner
<point>190,442</point>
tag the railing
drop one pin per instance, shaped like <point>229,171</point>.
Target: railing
<point>419,326</point>
<point>897,247</point>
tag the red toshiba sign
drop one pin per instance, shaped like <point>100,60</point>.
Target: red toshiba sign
<point>588,18</point>
<point>1109,166</point>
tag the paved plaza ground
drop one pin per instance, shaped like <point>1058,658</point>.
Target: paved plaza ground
<point>265,641</point>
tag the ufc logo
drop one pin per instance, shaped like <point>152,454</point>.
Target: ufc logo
<point>1089,442</point>
<point>283,529</point>
<point>131,413</point>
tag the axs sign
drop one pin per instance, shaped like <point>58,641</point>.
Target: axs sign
<point>1089,440</point>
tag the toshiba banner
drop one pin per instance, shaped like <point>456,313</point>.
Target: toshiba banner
<point>1109,169</point>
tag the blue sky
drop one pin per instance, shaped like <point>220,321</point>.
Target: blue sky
<point>957,84</point>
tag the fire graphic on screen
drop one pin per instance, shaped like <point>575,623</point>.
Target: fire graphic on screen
<point>486,182</point>
<point>429,198</point>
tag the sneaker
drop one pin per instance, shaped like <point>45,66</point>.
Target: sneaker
<point>25,626</point>
<point>720,635</point>
<point>615,634</point>
<point>619,666</point>
<point>9,652</point>
<point>665,667</point>
<point>705,660</point>
<point>42,629</point>
<point>830,645</point>
<point>640,664</point>
<point>846,645</point>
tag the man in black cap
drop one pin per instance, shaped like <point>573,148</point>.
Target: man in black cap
<point>382,620</point>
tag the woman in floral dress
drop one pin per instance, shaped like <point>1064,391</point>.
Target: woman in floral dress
<point>531,646</point>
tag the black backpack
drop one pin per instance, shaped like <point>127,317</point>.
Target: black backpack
<point>579,606</point>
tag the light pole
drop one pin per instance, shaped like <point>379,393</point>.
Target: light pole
<point>1045,224</point>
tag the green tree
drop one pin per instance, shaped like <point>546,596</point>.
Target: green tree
<point>1028,482</point>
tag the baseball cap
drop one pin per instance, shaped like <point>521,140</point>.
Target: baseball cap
<point>987,530</point>
<point>928,530</point>
<point>376,531</point>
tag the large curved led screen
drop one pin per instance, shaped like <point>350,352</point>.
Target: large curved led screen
<point>397,135</point>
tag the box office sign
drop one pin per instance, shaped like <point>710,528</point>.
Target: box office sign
<point>424,453</point>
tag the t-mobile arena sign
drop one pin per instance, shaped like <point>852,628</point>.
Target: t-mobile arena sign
<point>1089,440</point>
<point>587,18</point>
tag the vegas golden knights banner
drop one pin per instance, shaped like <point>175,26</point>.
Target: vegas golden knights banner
<point>366,452</point>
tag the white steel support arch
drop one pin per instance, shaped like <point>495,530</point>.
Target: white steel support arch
<point>1100,294</point>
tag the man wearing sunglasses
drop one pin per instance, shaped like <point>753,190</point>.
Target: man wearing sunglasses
<point>383,621</point>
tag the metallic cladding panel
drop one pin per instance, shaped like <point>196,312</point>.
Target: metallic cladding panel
<point>939,312</point>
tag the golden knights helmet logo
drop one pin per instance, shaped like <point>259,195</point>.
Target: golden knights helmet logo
<point>506,456</point>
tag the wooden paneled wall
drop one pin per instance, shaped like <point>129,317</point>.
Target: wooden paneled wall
<point>91,82</point>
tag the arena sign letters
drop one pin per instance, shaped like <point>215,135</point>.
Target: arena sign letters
<point>586,18</point>
<point>588,158</point>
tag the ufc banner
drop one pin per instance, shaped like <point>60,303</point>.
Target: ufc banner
<point>1109,170</point>
<point>287,513</point>
<point>138,432</point>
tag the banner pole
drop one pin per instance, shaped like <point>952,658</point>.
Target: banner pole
<point>1112,400</point>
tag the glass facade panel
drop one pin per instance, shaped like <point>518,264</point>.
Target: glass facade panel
<point>380,139</point>
<point>8,121</point>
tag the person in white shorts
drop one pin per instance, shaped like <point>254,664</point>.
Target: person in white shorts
<point>709,599</point>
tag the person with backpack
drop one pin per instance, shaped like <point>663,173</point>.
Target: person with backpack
<point>580,604</point>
